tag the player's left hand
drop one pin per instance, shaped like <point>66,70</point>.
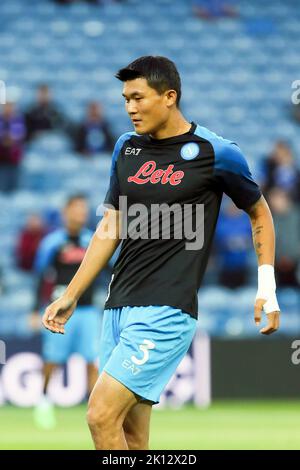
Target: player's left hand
<point>58,313</point>
<point>273,318</point>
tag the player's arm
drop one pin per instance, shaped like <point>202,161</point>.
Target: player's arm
<point>102,246</point>
<point>264,243</point>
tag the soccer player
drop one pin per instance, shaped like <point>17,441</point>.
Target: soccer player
<point>151,308</point>
<point>58,258</point>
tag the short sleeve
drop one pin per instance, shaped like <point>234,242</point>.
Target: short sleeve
<point>113,192</point>
<point>232,175</point>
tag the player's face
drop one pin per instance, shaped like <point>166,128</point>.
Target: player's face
<point>147,109</point>
<point>76,214</point>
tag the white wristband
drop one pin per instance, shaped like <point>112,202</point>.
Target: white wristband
<point>267,288</point>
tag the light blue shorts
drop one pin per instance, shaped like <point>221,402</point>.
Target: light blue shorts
<point>82,336</point>
<point>141,347</point>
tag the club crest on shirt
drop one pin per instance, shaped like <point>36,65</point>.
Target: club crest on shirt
<point>190,151</point>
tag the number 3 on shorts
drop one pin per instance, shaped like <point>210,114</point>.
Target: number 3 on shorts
<point>147,344</point>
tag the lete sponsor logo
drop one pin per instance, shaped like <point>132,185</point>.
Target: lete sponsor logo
<point>149,174</point>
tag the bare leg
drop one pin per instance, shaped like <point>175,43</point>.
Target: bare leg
<point>48,370</point>
<point>109,403</point>
<point>92,376</point>
<point>136,426</point>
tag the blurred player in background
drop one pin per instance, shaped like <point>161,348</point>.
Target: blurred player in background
<point>58,258</point>
<point>151,308</point>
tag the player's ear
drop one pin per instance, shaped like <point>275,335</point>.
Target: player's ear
<point>171,96</point>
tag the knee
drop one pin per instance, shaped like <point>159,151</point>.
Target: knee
<point>101,417</point>
<point>96,417</point>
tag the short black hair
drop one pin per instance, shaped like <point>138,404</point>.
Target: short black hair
<point>74,197</point>
<point>160,72</point>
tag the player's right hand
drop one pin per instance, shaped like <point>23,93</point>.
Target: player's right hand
<point>58,313</point>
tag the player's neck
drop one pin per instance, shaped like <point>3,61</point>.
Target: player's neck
<point>176,125</point>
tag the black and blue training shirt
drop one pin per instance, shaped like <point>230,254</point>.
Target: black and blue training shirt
<point>187,170</point>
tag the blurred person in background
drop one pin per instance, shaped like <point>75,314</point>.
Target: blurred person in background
<point>44,114</point>
<point>94,134</point>
<point>58,258</point>
<point>29,240</point>
<point>280,171</point>
<point>286,218</point>
<point>12,134</point>
<point>233,242</point>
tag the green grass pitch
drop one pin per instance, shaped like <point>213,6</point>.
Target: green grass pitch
<point>224,425</point>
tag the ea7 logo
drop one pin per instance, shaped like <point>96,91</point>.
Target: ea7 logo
<point>129,366</point>
<point>132,151</point>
